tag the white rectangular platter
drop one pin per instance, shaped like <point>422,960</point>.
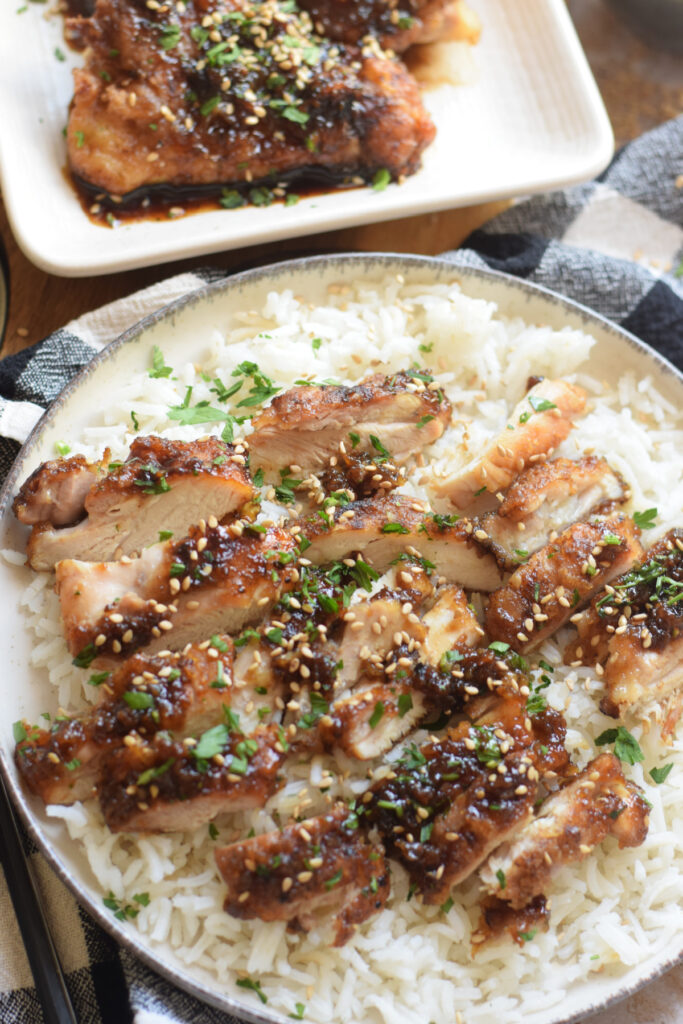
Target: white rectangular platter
<point>528,118</point>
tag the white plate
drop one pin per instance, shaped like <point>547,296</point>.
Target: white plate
<point>531,120</point>
<point>25,693</point>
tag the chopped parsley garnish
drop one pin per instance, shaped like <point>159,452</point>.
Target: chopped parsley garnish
<point>645,520</point>
<point>246,637</point>
<point>153,773</point>
<point>316,343</point>
<point>202,412</point>
<point>528,936</point>
<point>254,986</point>
<point>423,422</point>
<point>231,199</point>
<point>299,1010</point>
<point>85,657</point>
<point>626,746</point>
<point>426,832</point>
<point>376,716</point>
<point>660,774</point>
<point>210,105</point>
<point>220,682</point>
<point>18,731</point>
<point>213,831</point>
<point>486,746</point>
<point>446,905</point>
<point>211,742</point>
<point>319,707</point>
<point>125,911</point>
<point>138,700</point>
<point>284,492</point>
<point>611,538</point>
<point>500,875</point>
<point>135,420</point>
<point>219,643</point>
<point>382,452</point>
<point>170,36</point>
<point>449,659</point>
<point>536,703</point>
<point>165,535</point>
<point>336,878</point>
<point>412,758</point>
<point>381,179</point>
<point>499,647</point>
<point>405,704</point>
<point>159,368</point>
<point>62,448</point>
<point>394,528</point>
<point>541,404</point>
<point>97,678</point>
<point>355,438</point>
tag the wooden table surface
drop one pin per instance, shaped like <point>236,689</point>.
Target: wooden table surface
<point>641,88</point>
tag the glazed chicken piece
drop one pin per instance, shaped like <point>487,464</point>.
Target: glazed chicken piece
<point>397,25</point>
<point>162,489</point>
<point>633,633</point>
<point>357,475</point>
<point>542,594</point>
<point>399,528</point>
<point>543,501</point>
<point>371,720</point>
<point>167,785</point>
<point>539,423</point>
<point>390,418</point>
<point>310,870</point>
<point>498,917</point>
<point>55,492</point>
<point>217,579</point>
<point>568,826</point>
<point>274,102</point>
<point>450,623</point>
<point>447,804</point>
<point>182,693</point>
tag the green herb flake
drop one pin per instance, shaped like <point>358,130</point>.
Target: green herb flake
<point>138,700</point>
<point>254,986</point>
<point>423,422</point>
<point>159,368</point>
<point>97,678</point>
<point>645,520</point>
<point>19,732</point>
<point>381,179</point>
<point>660,774</point>
<point>528,936</point>
<point>626,746</point>
<point>299,1010</point>
<point>85,657</point>
<point>541,404</point>
<point>500,875</point>
<point>211,742</point>
<point>405,704</point>
<point>336,878</point>
<point>447,905</point>
<point>376,716</point>
<point>394,528</point>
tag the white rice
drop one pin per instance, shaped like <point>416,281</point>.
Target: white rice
<point>411,964</point>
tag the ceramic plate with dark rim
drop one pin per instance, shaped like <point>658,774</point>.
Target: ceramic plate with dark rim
<point>25,691</point>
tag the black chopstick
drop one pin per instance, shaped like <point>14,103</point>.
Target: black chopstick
<point>42,955</point>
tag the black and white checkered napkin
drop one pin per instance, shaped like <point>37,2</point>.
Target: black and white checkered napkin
<point>615,245</point>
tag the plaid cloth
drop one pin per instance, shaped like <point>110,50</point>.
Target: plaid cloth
<point>615,245</point>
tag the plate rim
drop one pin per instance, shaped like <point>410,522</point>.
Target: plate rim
<point>392,261</point>
<point>85,263</point>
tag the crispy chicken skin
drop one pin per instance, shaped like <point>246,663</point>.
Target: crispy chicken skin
<point>305,425</point>
<point>569,824</point>
<point>162,487</point>
<point>320,865</point>
<point>276,99</point>
<point>540,422</point>
<point>448,804</point>
<point>397,25</point>
<point>544,500</point>
<point>164,785</point>
<point>55,491</point>
<point>396,527</point>
<point>633,632</point>
<point>183,693</point>
<point>544,592</point>
<point>217,579</point>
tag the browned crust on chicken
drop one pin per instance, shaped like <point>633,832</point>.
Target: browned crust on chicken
<point>498,917</point>
<point>318,865</point>
<point>55,491</point>
<point>444,807</point>
<point>305,425</point>
<point>396,25</point>
<point>163,486</point>
<point>218,578</point>
<point>569,825</point>
<point>182,693</point>
<point>542,594</point>
<point>544,500</point>
<point>535,432</point>
<point>371,719</point>
<point>633,633</point>
<point>163,785</point>
<point>355,110</point>
<point>397,528</point>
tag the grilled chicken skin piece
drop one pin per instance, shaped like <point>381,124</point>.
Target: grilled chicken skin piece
<point>277,100</point>
<point>162,488</point>
<point>633,633</point>
<point>318,867</point>
<point>569,824</point>
<point>543,593</point>
<point>539,423</point>
<point>544,500</point>
<point>165,785</point>
<point>305,425</point>
<point>217,579</point>
<point>396,26</point>
<point>183,693</point>
<point>397,527</point>
<point>55,492</point>
<point>447,804</point>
